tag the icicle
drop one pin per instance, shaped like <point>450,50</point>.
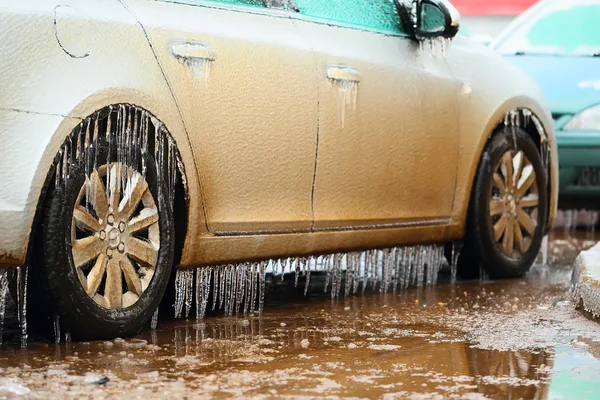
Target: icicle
<point>154,321</point>
<point>349,273</point>
<point>180,288</point>
<point>456,248</point>
<point>261,300</point>
<point>242,290</point>
<point>223,276</point>
<point>326,264</point>
<point>365,270</point>
<point>67,337</point>
<point>252,288</point>
<point>307,262</point>
<point>203,275</point>
<point>189,290</point>
<point>3,291</point>
<point>56,329</point>
<point>282,264</point>
<point>22,302</point>
<point>216,286</point>
<point>375,268</point>
<point>296,266</point>
<point>545,250</point>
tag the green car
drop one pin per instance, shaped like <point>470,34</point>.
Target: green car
<point>557,42</point>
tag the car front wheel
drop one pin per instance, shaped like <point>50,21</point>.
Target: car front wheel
<point>508,209</point>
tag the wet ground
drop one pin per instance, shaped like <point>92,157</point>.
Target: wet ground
<point>474,339</point>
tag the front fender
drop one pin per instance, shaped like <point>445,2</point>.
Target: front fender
<point>50,86</point>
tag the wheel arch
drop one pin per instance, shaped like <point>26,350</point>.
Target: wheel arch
<point>188,194</point>
<point>526,113</point>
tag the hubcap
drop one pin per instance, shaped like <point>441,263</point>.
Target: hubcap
<point>115,236</point>
<point>514,203</point>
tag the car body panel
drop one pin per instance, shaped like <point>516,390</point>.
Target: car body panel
<point>130,66</point>
<point>375,136</point>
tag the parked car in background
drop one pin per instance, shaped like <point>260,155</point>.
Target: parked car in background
<point>557,43</point>
<point>141,136</point>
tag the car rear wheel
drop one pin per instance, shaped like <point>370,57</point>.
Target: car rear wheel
<point>508,209</point>
<point>106,246</point>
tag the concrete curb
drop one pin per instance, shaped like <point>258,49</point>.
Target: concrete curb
<point>586,282</point>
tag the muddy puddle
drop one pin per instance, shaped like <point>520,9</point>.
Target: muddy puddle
<point>475,339</point>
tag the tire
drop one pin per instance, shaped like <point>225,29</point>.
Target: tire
<point>515,206</point>
<point>55,273</point>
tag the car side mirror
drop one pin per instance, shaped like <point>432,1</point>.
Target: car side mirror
<point>436,18</point>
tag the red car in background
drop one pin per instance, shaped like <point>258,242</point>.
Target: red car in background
<point>484,19</point>
<point>492,7</point>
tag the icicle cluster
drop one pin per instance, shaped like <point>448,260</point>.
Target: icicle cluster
<point>241,287</point>
<point>437,48</point>
<point>572,220</point>
<point>3,292</point>
<point>348,93</point>
<point>522,117</point>
<point>132,135</point>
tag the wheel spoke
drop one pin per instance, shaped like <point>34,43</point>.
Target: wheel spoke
<point>524,186</point>
<point>530,201</point>
<point>508,240</point>
<point>507,169</point>
<point>499,183</point>
<point>526,221</point>
<point>85,220</point>
<point>113,289</point>
<point>519,243</point>
<point>142,251</point>
<point>98,198</point>
<point>135,190</point>
<point>115,186</point>
<point>500,227</point>
<point>129,299</point>
<point>146,218</point>
<point>497,207</point>
<point>131,277</point>
<point>95,276</point>
<point>101,300</point>
<point>86,249</point>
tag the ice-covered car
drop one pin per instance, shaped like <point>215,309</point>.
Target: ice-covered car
<point>140,136</point>
<point>557,42</point>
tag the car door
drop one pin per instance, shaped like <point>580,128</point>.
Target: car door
<point>388,119</point>
<point>245,83</point>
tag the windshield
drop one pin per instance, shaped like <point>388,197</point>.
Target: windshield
<point>565,28</point>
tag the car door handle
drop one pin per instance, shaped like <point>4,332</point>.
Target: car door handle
<point>343,73</point>
<point>190,51</point>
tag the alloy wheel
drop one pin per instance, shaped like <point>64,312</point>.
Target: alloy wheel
<point>514,202</point>
<point>115,236</point>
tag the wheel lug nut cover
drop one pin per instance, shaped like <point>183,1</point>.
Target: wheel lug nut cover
<point>122,226</point>
<point>102,234</point>
<point>111,219</point>
<point>109,253</point>
<point>121,247</point>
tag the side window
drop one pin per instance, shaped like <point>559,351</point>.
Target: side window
<point>378,15</point>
